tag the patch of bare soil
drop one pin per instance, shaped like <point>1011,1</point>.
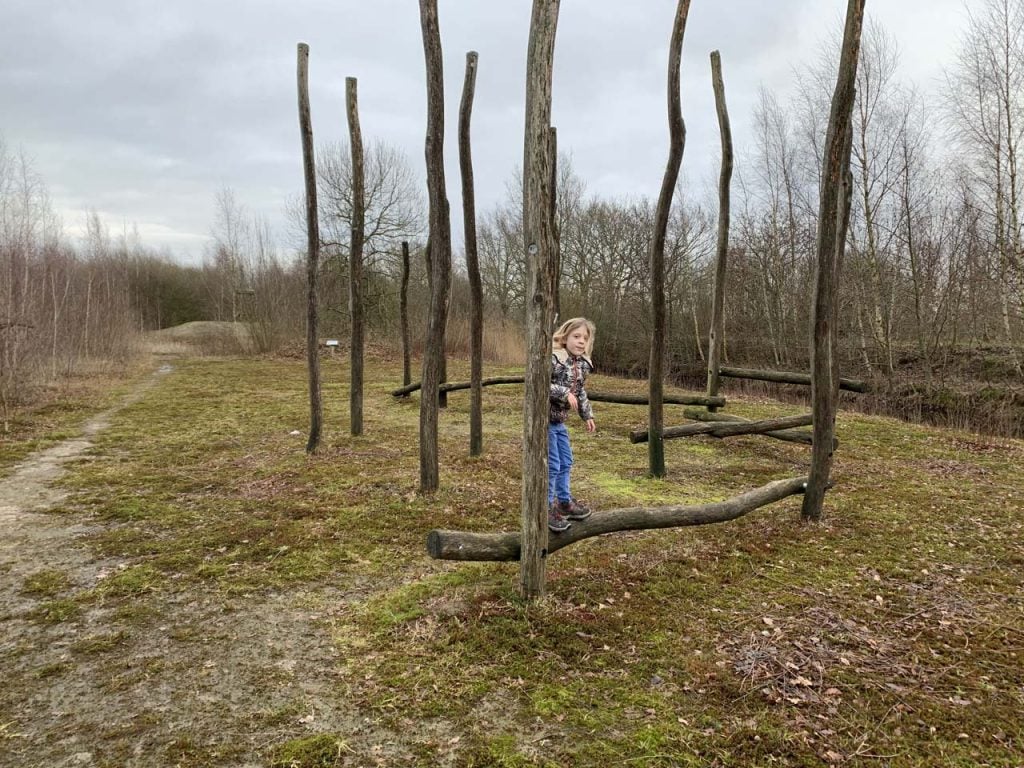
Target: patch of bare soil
<point>189,679</point>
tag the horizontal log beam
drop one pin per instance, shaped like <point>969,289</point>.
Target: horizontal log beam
<point>451,386</point>
<point>727,429</point>
<point>597,397</point>
<point>463,545</point>
<point>788,435</point>
<point>787,377</point>
<point>611,397</point>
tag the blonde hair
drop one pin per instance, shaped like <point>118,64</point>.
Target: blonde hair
<point>558,337</point>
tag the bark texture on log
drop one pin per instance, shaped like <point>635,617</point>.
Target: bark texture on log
<point>462,545</point>
<point>677,142</point>
<point>787,377</point>
<point>715,336</point>
<point>355,259</point>
<point>439,246</point>
<point>597,397</point>
<point>540,245</point>
<point>727,429</point>
<point>312,252</point>
<point>833,215</point>
<point>788,435</point>
<point>476,294</point>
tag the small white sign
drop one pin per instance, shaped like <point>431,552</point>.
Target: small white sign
<point>331,343</point>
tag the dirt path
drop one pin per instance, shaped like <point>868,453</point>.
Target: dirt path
<point>197,679</point>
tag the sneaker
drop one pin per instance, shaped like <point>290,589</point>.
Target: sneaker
<point>573,510</point>
<point>556,520</point>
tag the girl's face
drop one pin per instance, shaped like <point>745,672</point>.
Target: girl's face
<point>576,341</point>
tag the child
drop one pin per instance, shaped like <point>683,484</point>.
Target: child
<point>571,346</point>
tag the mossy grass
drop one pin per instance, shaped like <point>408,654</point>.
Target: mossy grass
<point>889,632</point>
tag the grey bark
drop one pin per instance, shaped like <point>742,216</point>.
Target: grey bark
<point>312,252</point>
<point>540,245</point>
<point>787,377</point>
<point>833,216</point>
<point>476,294</point>
<point>787,435</point>
<point>677,141</point>
<point>440,247</point>
<point>403,316</point>
<point>355,282</point>
<point>727,429</point>
<point>461,545</point>
<point>722,243</point>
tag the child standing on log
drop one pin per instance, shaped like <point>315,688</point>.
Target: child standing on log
<point>571,346</point>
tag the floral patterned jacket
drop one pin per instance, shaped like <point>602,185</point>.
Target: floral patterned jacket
<point>568,374</point>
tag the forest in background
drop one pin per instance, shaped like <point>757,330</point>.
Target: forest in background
<point>932,307</point>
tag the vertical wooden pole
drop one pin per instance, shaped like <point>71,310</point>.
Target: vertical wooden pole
<point>355,283</point>
<point>556,270</point>
<point>722,245</point>
<point>476,296</point>
<point>439,246</point>
<point>403,316</point>
<point>832,218</point>
<point>539,242</point>
<point>312,252</point>
<point>677,141</point>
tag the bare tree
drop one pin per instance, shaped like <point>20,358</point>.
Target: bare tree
<point>355,290</point>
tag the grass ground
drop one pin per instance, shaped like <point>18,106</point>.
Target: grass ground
<point>890,634</point>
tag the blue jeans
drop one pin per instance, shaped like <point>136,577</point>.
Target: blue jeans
<point>559,462</point>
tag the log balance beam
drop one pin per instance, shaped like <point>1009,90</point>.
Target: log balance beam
<point>597,397</point>
<point>787,377</point>
<point>727,428</point>
<point>477,547</point>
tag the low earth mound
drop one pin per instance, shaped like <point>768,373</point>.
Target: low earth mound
<point>209,337</point>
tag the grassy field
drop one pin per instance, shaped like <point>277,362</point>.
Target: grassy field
<point>255,606</point>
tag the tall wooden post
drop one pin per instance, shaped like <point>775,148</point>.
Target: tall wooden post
<point>403,316</point>
<point>540,243</point>
<point>832,220</point>
<point>355,258</point>
<point>556,270</point>
<point>312,252</point>
<point>722,246</point>
<point>476,293</point>
<point>677,141</point>
<point>439,245</point>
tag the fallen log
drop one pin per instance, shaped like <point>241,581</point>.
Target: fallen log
<point>727,429</point>
<point>505,546</point>
<point>787,377</point>
<point>788,435</point>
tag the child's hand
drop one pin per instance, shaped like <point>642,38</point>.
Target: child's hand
<point>573,402</point>
<point>591,426</point>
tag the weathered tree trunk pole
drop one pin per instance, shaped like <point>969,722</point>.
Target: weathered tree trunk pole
<point>677,141</point>
<point>787,435</point>
<point>312,252</point>
<point>833,214</point>
<point>476,293</point>
<point>403,316</point>
<point>462,545</point>
<point>539,241</point>
<point>722,245</point>
<point>439,246</point>
<point>553,209</point>
<point>355,258</point>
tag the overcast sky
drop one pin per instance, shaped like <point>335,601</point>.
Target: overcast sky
<point>142,110</point>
